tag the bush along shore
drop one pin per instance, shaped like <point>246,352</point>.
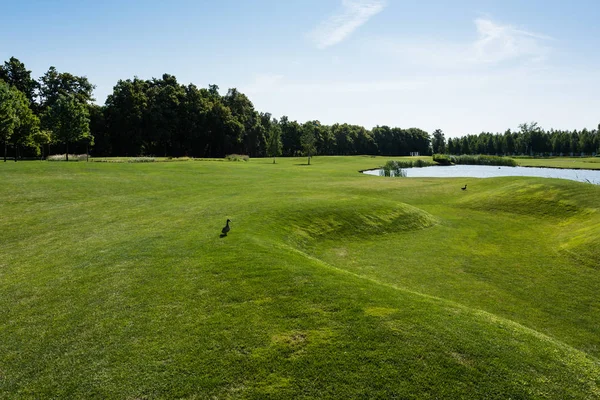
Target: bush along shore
<point>443,159</point>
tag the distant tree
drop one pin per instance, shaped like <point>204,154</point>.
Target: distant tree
<point>8,114</point>
<point>41,139</point>
<point>364,142</point>
<point>465,147</point>
<point>54,84</point>
<point>125,112</point>
<point>509,143</point>
<point>345,138</point>
<point>27,126</point>
<point>15,74</point>
<point>438,143</point>
<point>534,138</point>
<point>384,139</point>
<point>162,116</point>
<point>274,141</point>
<point>291,131</point>
<point>308,141</point>
<point>17,121</point>
<point>70,122</point>
<point>253,133</point>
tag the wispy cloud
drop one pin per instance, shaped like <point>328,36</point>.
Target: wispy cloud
<point>494,44</point>
<point>338,27</point>
<point>497,43</point>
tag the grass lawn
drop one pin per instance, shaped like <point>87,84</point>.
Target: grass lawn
<point>560,162</point>
<point>114,282</point>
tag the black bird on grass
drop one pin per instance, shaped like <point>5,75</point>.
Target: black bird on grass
<point>225,229</point>
<point>464,188</point>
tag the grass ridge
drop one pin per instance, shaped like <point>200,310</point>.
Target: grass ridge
<point>484,314</point>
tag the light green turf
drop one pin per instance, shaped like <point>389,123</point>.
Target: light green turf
<point>560,162</point>
<point>114,283</point>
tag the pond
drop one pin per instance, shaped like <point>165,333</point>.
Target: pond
<point>484,171</point>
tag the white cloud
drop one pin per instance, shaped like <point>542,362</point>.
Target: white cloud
<point>495,44</point>
<point>339,26</point>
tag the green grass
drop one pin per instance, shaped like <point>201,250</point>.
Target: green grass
<point>114,283</point>
<point>560,162</point>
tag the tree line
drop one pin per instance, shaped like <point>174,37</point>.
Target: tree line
<point>161,117</point>
<point>529,140</point>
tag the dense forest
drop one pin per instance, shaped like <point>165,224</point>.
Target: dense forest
<point>161,117</point>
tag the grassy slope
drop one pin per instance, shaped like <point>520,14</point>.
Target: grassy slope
<point>561,162</point>
<point>114,283</point>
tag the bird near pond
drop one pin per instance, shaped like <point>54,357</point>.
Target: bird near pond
<point>464,188</point>
<point>226,228</point>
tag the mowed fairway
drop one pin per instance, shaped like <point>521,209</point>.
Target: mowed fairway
<point>114,283</point>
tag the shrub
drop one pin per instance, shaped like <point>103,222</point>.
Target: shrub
<point>63,157</point>
<point>237,157</point>
<point>442,159</point>
<point>393,168</point>
<point>141,160</point>
<point>484,160</point>
<point>422,163</point>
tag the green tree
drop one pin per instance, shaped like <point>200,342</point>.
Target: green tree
<point>15,74</point>
<point>41,138</point>
<point>438,143</point>
<point>242,109</point>
<point>308,140</point>
<point>291,131</point>
<point>54,84</point>
<point>126,108</point>
<point>27,126</point>
<point>70,122</point>
<point>162,117</point>
<point>17,121</point>
<point>274,140</point>
<point>8,114</point>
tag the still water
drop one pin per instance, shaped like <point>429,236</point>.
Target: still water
<point>483,171</point>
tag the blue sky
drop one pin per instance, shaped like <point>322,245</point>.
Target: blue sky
<point>461,66</point>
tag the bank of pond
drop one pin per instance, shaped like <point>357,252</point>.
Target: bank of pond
<point>485,171</point>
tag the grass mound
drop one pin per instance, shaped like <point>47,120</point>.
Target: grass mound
<point>355,218</point>
<point>548,200</point>
<point>582,241</point>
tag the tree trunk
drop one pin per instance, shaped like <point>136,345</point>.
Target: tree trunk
<point>67,153</point>
<point>5,150</point>
<point>309,160</point>
<point>87,152</point>
<point>273,160</point>
<point>16,151</point>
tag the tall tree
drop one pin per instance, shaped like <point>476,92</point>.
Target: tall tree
<point>27,126</point>
<point>308,141</point>
<point>162,118</point>
<point>291,131</point>
<point>15,74</point>
<point>54,84</point>
<point>125,113</point>
<point>18,124</point>
<point>274,140</point>
<point>439,142</point>
<point>8,114</point>
<point>70,121</point>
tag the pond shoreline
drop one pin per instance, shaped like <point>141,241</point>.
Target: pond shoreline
<point>499,166</point>
<point>487,171</point>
